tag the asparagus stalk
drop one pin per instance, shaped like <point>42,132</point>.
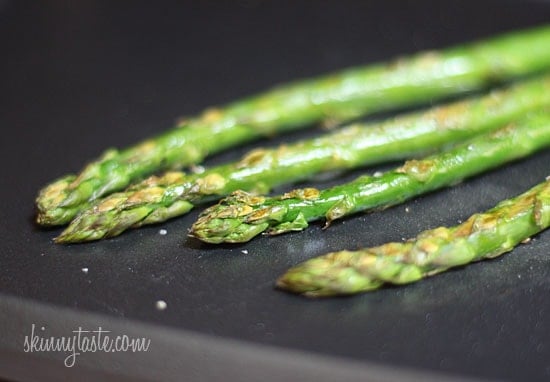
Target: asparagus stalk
<point>242,216</point>
<point>175,193</point>
<point>340,96</point>
<point>483,236</point>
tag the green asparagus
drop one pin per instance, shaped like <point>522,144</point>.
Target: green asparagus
<point>483,236</point>
<point>242,216</point>
<point>175,193</point>
<point>340,96</point>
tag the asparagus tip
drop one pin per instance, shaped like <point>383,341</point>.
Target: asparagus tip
<point>324,277</point>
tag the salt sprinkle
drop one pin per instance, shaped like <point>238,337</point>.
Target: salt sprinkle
<point>161,305</point>
<point>245,251</point>
<point>85,270</point>
<point>407,209</point>
<point>378,174</point>
<point>163,232</point>
<point>197,169</point>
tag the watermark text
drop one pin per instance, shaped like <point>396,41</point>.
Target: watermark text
<point>82,341</point>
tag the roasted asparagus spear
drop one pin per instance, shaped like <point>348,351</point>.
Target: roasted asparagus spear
<point>482,236</point>
<point>242,216</point>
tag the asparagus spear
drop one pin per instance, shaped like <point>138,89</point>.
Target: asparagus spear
<point>175,193</point>
<point>242,216</point>
<point>483,236</point>
<point>339,96</point>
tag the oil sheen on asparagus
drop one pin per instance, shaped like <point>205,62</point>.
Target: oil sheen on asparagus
<point>340,96</point>
<point>242,216</point>
<point>175,193</point>
<point>483,236</point>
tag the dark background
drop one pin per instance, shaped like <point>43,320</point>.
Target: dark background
<point>78,77</point>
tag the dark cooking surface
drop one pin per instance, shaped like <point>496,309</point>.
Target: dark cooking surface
<point>77,78</point>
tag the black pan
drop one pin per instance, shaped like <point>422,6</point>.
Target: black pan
<point>78,77</point>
